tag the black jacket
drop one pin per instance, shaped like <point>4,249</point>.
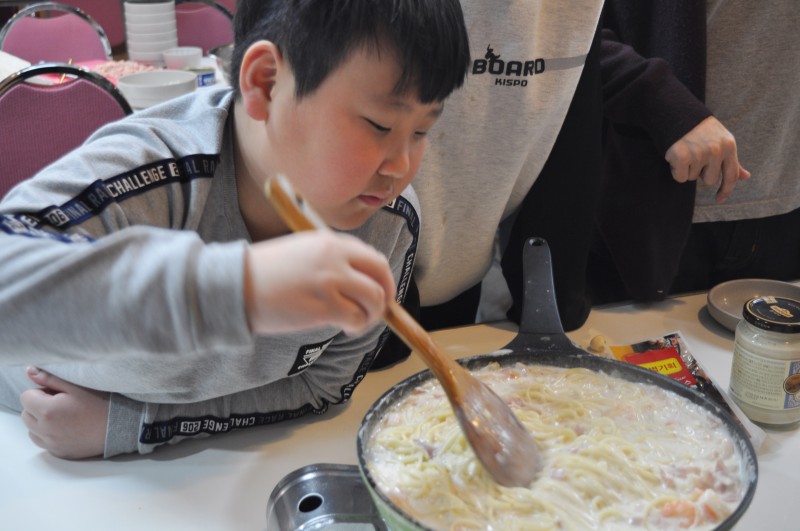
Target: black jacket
<point>606,186</point>
<point>653,91</point>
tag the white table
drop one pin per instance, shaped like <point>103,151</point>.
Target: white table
<point>223,483</point>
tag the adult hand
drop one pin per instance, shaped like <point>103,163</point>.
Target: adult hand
<point>708,153</point>
<point>317,278</point>
<point>67,420</point>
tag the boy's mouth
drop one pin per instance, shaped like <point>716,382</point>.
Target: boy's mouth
<point>377,199</point>
<point>374,200</point>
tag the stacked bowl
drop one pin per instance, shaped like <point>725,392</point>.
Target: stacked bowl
<point>150,29</point>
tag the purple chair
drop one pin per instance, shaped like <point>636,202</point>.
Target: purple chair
<point>42,122</point>
<point>54,32</point>
<point>203,23</point>
<point>230,5</point>
<point>107,13</point>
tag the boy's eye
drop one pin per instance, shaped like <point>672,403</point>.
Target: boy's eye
<point>378,126</point>
<point>382,129</point>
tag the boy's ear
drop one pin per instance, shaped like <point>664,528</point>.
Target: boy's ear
<point>260,67</point>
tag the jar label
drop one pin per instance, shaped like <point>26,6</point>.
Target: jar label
<point>764,382</point>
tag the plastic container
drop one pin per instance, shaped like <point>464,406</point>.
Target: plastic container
<point>765,378</point>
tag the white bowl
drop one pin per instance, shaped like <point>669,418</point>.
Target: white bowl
<point>726,300</point>
<point>160,26</point>
<point>144,89</point>
<point>151,47</point>
<point>182,57</point>
<point>149,7</point>
<point>166,40</point>
<point>139,36</point>
<point>148,58</point>
<point>154,18</point>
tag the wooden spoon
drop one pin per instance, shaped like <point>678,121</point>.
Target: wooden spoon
<point>498,438</point>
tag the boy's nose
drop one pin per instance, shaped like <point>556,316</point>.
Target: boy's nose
<point>397,163</point>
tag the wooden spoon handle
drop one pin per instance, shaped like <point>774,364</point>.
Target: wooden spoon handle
<point>416,337</point>
<point>499,440</point>
<point>398,319</point>
<point>288,208</point>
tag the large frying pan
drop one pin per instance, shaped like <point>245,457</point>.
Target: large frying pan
<point>541,340</point>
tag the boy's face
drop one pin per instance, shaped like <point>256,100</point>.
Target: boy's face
<point>352,145</point>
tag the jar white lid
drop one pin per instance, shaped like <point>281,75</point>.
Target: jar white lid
<point>776,314</point>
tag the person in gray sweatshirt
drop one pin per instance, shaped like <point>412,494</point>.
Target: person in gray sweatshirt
<point>153,285</point>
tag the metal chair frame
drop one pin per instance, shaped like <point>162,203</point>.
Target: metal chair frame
<point>34,9</point>
<point>210,3</point>
<point>25,163</point>
<point>68,70</point>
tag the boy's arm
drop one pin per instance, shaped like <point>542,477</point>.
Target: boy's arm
<point>331,379</point>
<point>67,420</point>
<point>75,422</point>
<point>99,257</point>
<point>138,292</point>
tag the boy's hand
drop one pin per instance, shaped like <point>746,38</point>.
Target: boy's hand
<point>313,279</point>
<point>66,420</point>
<point>707,152</point>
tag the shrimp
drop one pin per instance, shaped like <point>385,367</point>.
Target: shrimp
<point>683,510</point>
<point>713,506</point>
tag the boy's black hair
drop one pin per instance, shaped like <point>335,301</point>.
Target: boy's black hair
<point>429,39</point>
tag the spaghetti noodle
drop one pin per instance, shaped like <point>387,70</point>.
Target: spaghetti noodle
<point>617,455</point>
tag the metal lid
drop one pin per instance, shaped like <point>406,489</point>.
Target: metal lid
<point>776,314</point>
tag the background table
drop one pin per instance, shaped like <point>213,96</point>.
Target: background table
<point>224,482</point>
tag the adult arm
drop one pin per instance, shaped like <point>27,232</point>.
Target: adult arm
<point>642,96</point>
<point>643,93</point>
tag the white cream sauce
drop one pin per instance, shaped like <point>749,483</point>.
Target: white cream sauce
<point>617,455</point>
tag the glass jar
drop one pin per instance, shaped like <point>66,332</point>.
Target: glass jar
<point>765,378</point>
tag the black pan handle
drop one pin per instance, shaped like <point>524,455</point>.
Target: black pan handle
<point>539,311</point>
<point>540,325</point>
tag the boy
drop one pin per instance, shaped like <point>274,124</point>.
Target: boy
<point>337,95</point>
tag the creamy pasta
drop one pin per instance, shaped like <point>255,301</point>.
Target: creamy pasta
<point>616,455</point>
